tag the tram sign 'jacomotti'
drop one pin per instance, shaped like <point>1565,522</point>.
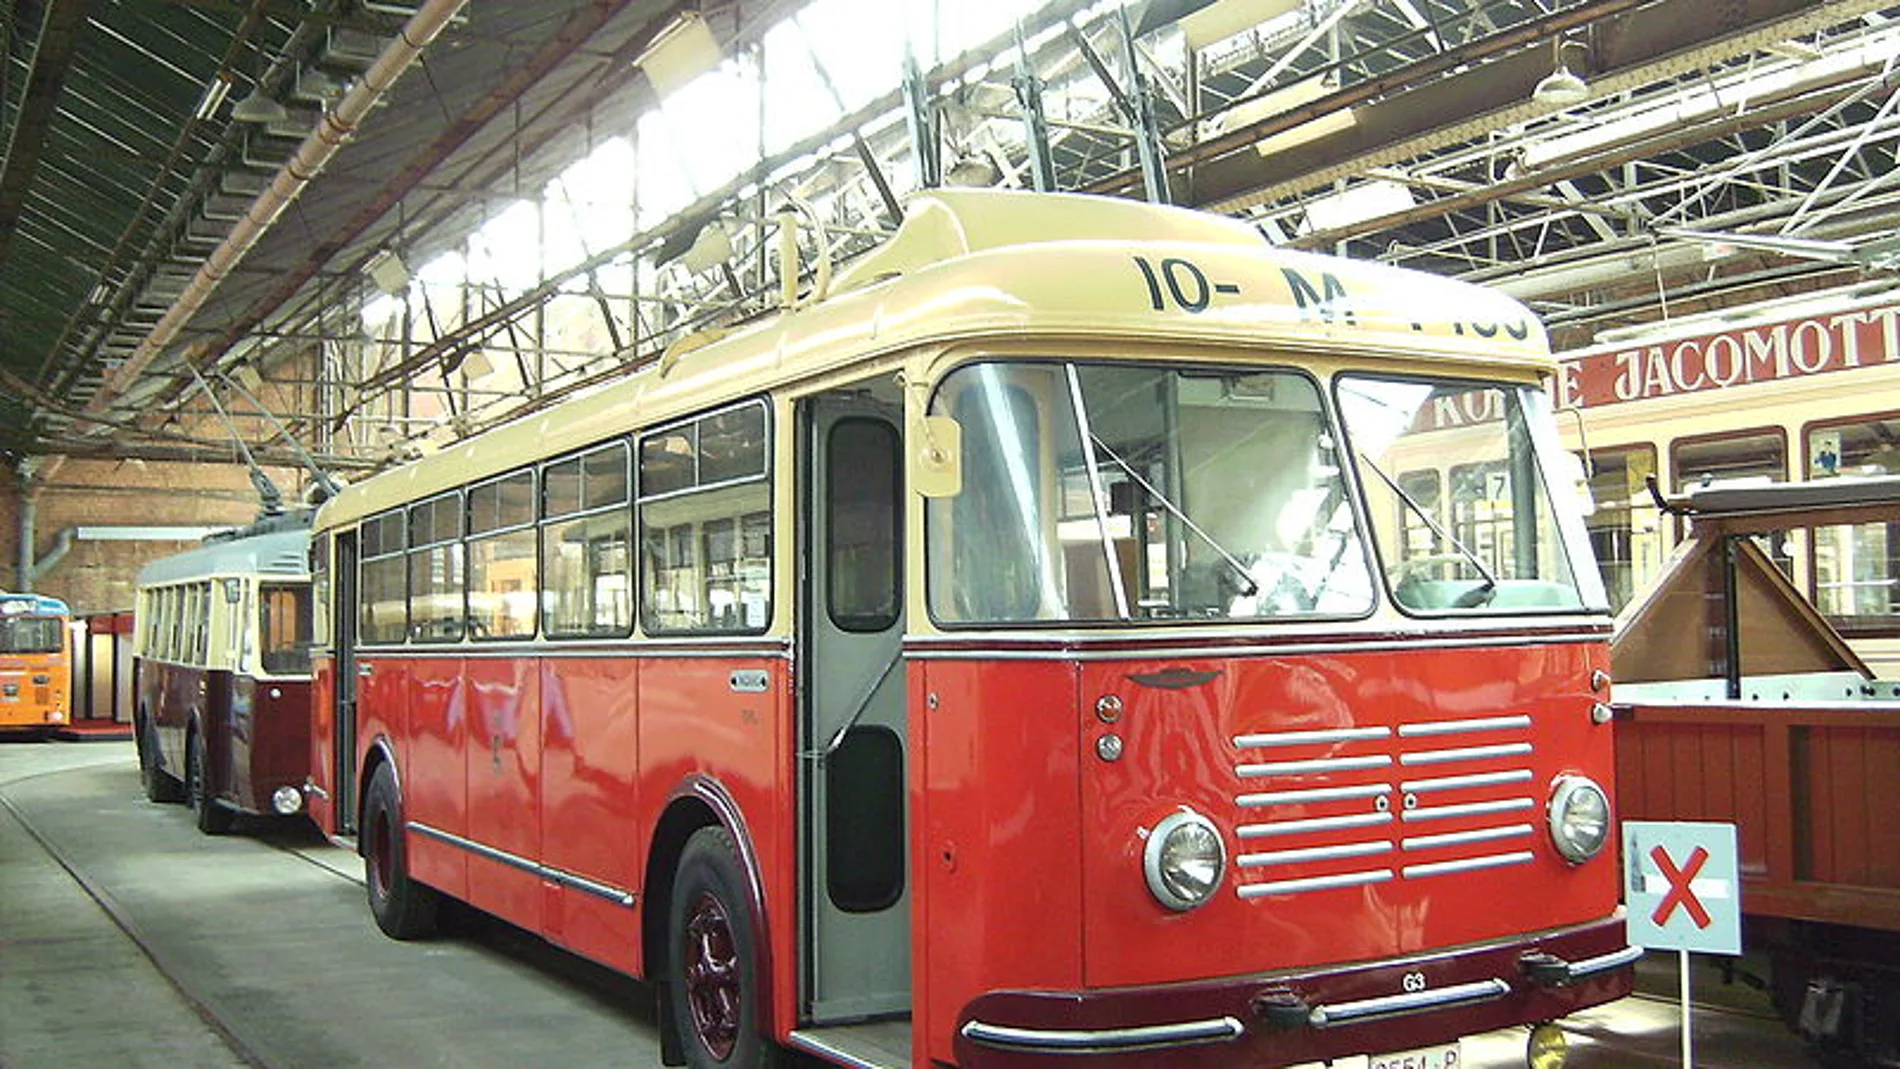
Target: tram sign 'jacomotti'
<point>1024,653</point>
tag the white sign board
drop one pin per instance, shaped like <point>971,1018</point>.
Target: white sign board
<point>1682,886</point>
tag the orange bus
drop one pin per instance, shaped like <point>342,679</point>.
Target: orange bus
<point>36,662</point>
<point>1018,652</point>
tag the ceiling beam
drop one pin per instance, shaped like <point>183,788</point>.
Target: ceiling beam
<point>45,80</point>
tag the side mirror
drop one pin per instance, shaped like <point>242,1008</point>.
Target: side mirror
<point>936,456</point>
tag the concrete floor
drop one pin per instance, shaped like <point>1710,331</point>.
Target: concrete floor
<point>257,950</point>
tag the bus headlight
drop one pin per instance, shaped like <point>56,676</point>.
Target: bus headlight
<point>1183,860</point>
<point>286,800</point>
<point>1579,818</point>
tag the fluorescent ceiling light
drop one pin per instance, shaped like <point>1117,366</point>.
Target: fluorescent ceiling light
<point>1358,203</point>
<point>1336,122</point>
<point>682,52</point>
<point>1229,18</point>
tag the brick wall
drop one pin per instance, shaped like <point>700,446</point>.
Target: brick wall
<point>97,576</point>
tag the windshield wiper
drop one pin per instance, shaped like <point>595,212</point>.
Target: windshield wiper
<point>1248,587</point>
<point>1472,598</point>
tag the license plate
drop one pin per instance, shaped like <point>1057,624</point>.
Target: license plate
<point>1448,1056</point>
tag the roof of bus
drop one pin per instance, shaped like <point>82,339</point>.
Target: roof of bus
<point>971,265</point>
<point>31,605</point>
<point>279,554</point>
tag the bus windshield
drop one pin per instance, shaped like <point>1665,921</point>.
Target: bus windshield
<point>1098,493</point>
<point>1459,495</point>
<point>31,634</point>
<point>284,624</point>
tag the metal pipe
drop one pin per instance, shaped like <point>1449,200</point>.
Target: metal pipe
<point>29,518</point>
<point>338,124</point>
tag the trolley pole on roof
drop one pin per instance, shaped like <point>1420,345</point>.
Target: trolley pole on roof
<point>1042,166</point>
<point>921,118</point>
<point>1141,106</point>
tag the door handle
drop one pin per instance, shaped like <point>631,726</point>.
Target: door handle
<point>365,669</point>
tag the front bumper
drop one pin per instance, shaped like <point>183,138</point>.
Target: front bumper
<point>1287,1018</point>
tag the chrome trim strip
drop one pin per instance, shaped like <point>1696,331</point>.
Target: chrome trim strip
<point>1296,738</point>
<point>1313,883</point>
<point>1476,779</point>
<point>1294,827</point>
<point>1467,864</point>
<point>1466,809</point>
<point>1312,794</point>
<point>1455,838</point>
<point>825,1050</point>
<point>1103,1040</point>
<point>1455,727</point>
<point>1318,764</point>
<point>711,646</point>
<point>1465,753</point>
<point>1615,959</point>
<point>1577,627</point>
<point>1061,649</point>
<point>1324,1016</point>
<point>1313,853</point>
<point>554,875</point>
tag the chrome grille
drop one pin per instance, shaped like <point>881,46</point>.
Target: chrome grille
<point>1346,807</point>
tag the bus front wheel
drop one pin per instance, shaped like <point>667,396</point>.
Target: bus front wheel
<point>713,965</point>
<point>403,908</point>
<point>211,815</point>
<point>159,785</point>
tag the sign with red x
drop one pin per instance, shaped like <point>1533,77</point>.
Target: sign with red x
<point>1682,886</point>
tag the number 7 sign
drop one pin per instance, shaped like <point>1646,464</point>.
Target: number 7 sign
<point>1682,886</point>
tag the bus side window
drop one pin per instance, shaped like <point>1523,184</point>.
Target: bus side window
<point>706,525</point>
<point>585,552</point>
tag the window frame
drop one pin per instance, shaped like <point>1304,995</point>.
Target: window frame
<point>470,536</point>
<point>580,457</point>
<point>766,477</point>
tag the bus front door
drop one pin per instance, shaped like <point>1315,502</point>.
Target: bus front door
<point>855,924</point>
<point>343,717</point>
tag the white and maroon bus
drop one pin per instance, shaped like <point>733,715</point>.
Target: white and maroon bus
<point>222,673</point>
<point>1021,654</point>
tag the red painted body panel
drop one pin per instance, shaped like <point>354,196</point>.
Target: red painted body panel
<point>1179,750</point>
<point>433,766</point>
<point>503,769</point>
<point>591,750</point>
<point>1029,845</point>
<point>590,757</point>
<point>998,893</point>
<point>693,723</point>
<point>322,803</point>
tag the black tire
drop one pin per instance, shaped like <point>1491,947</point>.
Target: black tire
<point>403,908</point>
<point>712,961</point>
<point>210,814</point>
<point>159,785</point>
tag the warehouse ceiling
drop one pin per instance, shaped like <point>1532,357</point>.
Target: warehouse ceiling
<point>158,223</point>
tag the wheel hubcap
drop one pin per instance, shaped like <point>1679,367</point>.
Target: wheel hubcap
<point>714,993</point>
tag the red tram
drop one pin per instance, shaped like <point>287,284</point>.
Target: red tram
<point>1016,656</point>
<point>222,673</point>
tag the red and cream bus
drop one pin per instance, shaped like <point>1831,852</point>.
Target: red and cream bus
<point>221,677</point>
<point>36,664</point>
<point>1017,654</point>
<point>1795,390</point>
